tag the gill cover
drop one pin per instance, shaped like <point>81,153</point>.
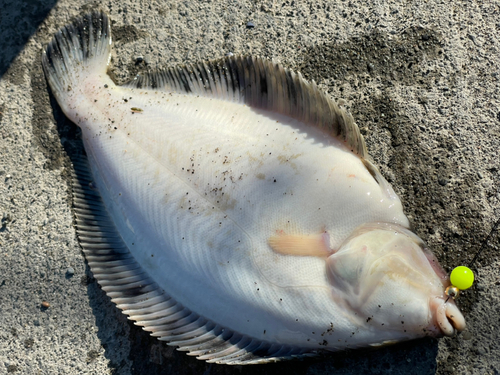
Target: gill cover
<point>384,275</point>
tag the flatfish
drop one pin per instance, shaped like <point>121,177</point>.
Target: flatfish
<point>231,209</point>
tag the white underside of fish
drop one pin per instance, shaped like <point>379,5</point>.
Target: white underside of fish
<point>219,202</point>
<point>197,186</point>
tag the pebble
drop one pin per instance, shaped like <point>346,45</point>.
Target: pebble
<point>481,351</point>
<point>139,59</point>
<point>70,272</point>
<point>250,25</point>
<point>442,181</point>
<point>45,304</point>
<point>467,335</point>
<point>449,368</point>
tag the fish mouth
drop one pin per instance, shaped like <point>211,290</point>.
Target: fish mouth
<point>446,317</point>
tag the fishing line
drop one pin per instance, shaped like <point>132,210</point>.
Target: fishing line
<point>462,277</point>
<point>485,242</point>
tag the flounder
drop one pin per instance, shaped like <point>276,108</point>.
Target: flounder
<point>231,209</point>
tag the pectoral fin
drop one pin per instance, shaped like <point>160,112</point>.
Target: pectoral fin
<point>308,245</point>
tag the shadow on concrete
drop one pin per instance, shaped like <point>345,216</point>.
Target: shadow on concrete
<point>19,20</point>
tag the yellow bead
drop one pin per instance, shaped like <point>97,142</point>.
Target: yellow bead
<point>462,277</point>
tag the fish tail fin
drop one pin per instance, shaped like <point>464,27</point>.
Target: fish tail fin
<point>77,51</point>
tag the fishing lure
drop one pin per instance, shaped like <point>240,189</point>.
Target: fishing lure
<point>462,277</point>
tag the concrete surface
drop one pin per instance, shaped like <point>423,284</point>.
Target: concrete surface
<point>421,79</point>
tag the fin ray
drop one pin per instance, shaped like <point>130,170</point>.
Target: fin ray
<point>261,84</point>
<point>77,50</point>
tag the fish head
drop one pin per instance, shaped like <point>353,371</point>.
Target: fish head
<point>385,276</point>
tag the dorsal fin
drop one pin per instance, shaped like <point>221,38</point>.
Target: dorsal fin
<point>261,84</point>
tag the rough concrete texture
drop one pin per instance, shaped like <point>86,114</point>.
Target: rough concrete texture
<point>422,81</point>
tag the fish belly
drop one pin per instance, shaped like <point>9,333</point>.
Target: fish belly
<point>196,186</point>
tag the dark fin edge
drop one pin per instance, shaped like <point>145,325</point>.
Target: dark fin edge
<point>139,297</point>
<point>85,44</point>
<point>261,84</point>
